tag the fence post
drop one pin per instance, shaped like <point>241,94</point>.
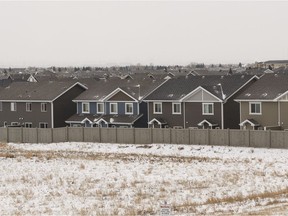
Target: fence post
<point>170,136</point>
<point>99,133</point>
<point>67,134</point>
<point>248,137</point>
<point>208,136</point>
<point>51,135</point>
<point>116,135</point>
<point>37,131</point>
<point>151,135</point>
<point>228,134</point>
<point>83,137</point>
<point>270,141</point>
<point>134,135</point>
<point>21,134</point>
<point>7,131</point>
<point>189,138</point>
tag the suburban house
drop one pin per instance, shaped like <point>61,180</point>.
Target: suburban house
<point>197,102</point>
<point>42,104</point>
<point>114,102</point>
<point>264,105</point>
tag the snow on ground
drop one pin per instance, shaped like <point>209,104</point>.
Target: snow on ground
<point>124,179</point>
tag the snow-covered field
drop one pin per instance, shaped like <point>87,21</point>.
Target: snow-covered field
<point>114,179</point>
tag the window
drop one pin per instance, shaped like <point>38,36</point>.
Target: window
<point>176,108</point>
<point>13,106</point>
<point>28,107</point>
<point>28,125</point>
<point>43,125</point>
<point>0,106</point>
<point>85,108</point>
<point>128,108</point>
<point>157,108</point>
<point>255,108</point>
<point>113,108</point>
<point>208,109</point>
<point>15,123</point>
<point>5,123</point>
<point>43,107</point>
<point>100,108</point>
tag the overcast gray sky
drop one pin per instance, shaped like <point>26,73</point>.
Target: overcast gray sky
<point>100,33</point>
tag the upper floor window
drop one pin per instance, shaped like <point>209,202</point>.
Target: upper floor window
<point>113,108</point>
<point>176,108</point>
<point>208,109</point>
<point>255,108</point>
<point>157,107</point>
<point>128,108</point>
<point>85,108</point>
<point>13,106</point>
<point>43,107</point>
<point>28,107</point>
<point>100,108</point>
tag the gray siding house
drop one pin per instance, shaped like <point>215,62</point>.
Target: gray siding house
<point>197,102</point>
<point>43,104</point>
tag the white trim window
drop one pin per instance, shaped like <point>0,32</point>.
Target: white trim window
<point>85,108</point>
<point>128,108</point>
<point>43,125</point>
<point>13,106</point>
<point>100,108</point>
<point>176,108</point>
<point>255,108</point>
<point>113,108</point>
<point>207,108</point>
<point>28,124</point>
<point>43,107</point>
<point>28,107</point>
<point>157,107</point>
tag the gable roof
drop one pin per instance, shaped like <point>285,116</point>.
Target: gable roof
<point>99,90</point>
<point>40,91</point>
<point>176,89</point>
<point>268,87</point>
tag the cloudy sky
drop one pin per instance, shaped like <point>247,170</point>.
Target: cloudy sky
<point>104,33</point>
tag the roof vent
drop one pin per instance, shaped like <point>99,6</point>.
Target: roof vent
<point>203,77</point>
<point>183,95</point>
<point>242,77</point>
<point>170,95</point>
<point>264,94</point>
<point>248,94</point>
<point>276,75</point>
<point>222,77</point>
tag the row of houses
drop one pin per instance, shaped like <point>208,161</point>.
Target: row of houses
<point>143,100</point>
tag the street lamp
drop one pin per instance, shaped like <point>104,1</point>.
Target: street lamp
<point>223,95</point>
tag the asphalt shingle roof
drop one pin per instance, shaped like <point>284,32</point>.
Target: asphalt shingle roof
<point>176,89</point>
<point>46,90</point>
<point>268,87</point>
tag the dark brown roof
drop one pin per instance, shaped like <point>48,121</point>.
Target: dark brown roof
<point>176,89</point>
<point>44,91</point>
<point>268,87</point>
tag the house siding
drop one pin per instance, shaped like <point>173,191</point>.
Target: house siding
<point>35,116</point>
<point>171,119</point>
<point>120,96</point>
<point>284,115</point>
<point>193,114</point>
<point>269,116</point>
<point>64,107</point>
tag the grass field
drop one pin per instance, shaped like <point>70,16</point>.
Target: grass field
<point>113,179</point>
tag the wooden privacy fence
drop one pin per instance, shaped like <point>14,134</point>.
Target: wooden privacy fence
<point>244,138</point>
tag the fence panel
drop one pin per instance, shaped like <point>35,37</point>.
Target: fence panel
<point>59,135</point>
<point>142,136</point>
<point>279,139</point>
<point>161,135</point>
<point>125,135</point>
<point>260,139</point>
<point>219,137</point>
<point>92,135</point>
<point>199,137</point>
<point>45,135</point>
<point>3,134</point>
<point>108,135</point>
<point>15,135</point>
<point>180,136</point>
<point>239,138</point>
<point>75,134</point>
<point>30,135</point>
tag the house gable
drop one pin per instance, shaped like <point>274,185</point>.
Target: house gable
<point>200,95</point>
<point>283,97</point>
<point>120,96</point>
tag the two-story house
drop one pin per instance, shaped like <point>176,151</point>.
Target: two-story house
<point>114,102</point>
<point>43,104</point>
<point>264,105</point>
<point>197,102</point>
